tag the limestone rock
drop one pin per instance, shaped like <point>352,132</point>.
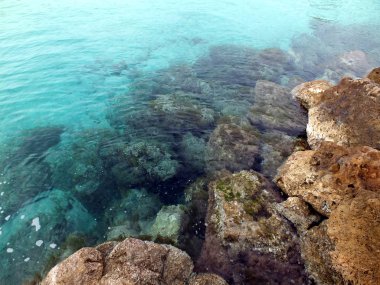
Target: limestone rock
<point>132,262</point>
<point>298,212</point>
<point>232,147</point>
<point>309,93</point>
<point>348,114</point>
<point>324,177</point>
<point>374,75</point>
<point>246,238</point>
<point>354,229</point>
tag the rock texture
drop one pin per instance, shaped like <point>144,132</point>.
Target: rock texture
<point>132,262</point>
<point>310,93</point>
<point>326,176</point>
<point>232,147</point>
<point>246,237</point>
<point>347,114</point>
<point>284,113</point>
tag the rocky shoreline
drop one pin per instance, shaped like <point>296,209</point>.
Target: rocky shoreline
<point>326,231</point>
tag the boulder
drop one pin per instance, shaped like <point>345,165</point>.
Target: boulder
<point>246,237</point>
<point>347,114</point>
<point>131,261</point>
<point>169,223</point>
<point>326,176</point>
<point>232,147</point>
<point>310,93</point>
<point>275,109</point>
<point>374,75</point>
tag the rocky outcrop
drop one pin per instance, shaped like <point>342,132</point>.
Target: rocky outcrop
<point>334,189</point>
<point>330,174</point>
<point>246,238</point>
<point>347,114</point>
<point>132,262</point>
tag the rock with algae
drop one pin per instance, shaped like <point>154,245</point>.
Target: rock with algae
<point>246,237</point>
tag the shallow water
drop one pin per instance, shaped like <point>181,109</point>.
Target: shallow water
<point>108,108</point>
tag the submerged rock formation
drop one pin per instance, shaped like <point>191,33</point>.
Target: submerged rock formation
<point>131,261</point>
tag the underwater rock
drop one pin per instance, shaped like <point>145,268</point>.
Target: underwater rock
<point>169,224</point>
<point>310,93</point>
<point>76,164</point>
<point>132,215</point>
<point>326,176</point>
<point>229,64</point>
<point>347,114</point>
<point>246,237</point>
<point>275,109</point>
<point>132,262</point>
<point>232,147</point>
<point>36,229</point>
<point>35,143</point>
<point>143,161</point>
<point>180,112</point>
<point>192,152</point>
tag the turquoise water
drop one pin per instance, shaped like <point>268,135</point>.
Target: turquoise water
<point>109,105</point>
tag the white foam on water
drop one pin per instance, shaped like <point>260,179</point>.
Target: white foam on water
<point>39,242</point>
<point>36,223</point>
<point>10,250</point>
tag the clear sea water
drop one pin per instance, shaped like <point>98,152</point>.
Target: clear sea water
<point>72,71</point>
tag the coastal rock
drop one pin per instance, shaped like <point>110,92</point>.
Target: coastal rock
<point>310,93</point>
<point>246,237</point>
<point>326,176</point>
<point>298,212</point>
<point>275,109</point>
<point>132,262</point>
<point>354,229</point>
<point>232,147</point>
<point>348,114</point>
<point>374,75</point>
<point>344,248</point>
<point>207,279</point>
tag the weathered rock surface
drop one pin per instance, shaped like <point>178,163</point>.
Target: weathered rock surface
<point>310,93</point>
<point>284,113</point>
<point>326,176</point>
<point>232,147</point>
<point>347,114</point>
<point>374,75</point>
<point>246,237</point>
<point>298,212</point>
<point>131,261</point>
<point>342,184</point>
